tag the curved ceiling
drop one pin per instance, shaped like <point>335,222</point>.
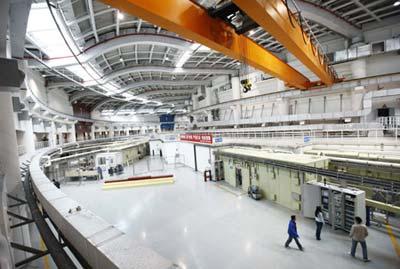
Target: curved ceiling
<point>139,59</point>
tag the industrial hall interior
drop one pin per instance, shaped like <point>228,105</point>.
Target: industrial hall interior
<point>200,134</point>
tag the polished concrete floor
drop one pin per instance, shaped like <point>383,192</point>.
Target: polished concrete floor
<point>201,225</point>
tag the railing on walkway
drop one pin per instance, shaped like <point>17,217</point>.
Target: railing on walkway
<point>21,150</point>
<point>305,136</point>
<point>41,144</point>
<point>390,122</point>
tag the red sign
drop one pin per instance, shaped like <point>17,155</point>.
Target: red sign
<point>197,138</point>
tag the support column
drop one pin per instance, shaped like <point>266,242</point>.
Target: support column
<point>237,112</point>
<point>28,138</point>
<point>53,135</point>
<point>72,135</point>
<point>92,129</point>
<point>9,160</point>
<point>359,68</point>
<point>209,96</point>
<point>235,88</point>
<point>195,101</point>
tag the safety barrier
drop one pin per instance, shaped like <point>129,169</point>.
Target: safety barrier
<point>101,244</point>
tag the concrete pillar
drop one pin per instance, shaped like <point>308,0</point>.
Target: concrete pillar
<point>357,96</point>
<point>235,88</point>
<point>92,129</point>
<point>9,160</point>
<point>282,107</point>
<point>359,68</point>
<point>210,99</point>
<point>53,135</point>
<point>209,116</point>
<point>29,137</point>
<point>237,112</point>
<point>195,101</point>
<point>72,137</point>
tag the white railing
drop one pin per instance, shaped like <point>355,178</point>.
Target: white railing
<point>41,144</point>
<point>390,122</point>
<point>21,150</point>
<point>308,136</point>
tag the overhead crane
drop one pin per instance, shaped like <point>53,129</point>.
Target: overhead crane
<point>275,17</point>
<point>193,22</point>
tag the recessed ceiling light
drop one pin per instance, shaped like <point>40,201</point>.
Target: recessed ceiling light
<point>120,15</point>
<point>120,59</point>
<point>238,63</point>
<point>397,3</point>
<point>251,32</point>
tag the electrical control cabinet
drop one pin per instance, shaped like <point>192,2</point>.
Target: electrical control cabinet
<point>218,170</point>
<point>339,205</point>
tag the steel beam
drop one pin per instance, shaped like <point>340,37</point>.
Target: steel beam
<point>165,91</point>
<point>275,17</point>
<point>112,44</point>
<point>101,103</point>
<point>192,22</point>
<point>144,83</point>
<point>165,69</point>
<point>326,18</point>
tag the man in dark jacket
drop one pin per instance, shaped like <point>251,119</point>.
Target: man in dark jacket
<point>292,231</point>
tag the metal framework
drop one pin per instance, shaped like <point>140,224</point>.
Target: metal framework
<point>276,18</point>
<point>178,16</point>
<point>92,25</point>
<point>60,258</point>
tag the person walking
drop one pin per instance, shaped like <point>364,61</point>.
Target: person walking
<point>100,172</point>
<point>319,221</point>
<point>358,233</point>
<point>292,231</point>
<point>56,183</point>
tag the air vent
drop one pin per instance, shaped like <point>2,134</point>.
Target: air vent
<point>378,47</point>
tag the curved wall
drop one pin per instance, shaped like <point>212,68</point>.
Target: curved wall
<point>99,242</point>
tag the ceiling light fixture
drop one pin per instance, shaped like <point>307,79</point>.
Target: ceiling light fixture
<point>121,60</point>
<point>187,54</point>
<point>397,3</point>
<point>120,15</point>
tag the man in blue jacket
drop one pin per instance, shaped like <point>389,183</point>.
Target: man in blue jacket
<point>292,231</point>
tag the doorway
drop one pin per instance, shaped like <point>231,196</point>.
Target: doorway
<point>238,173</point>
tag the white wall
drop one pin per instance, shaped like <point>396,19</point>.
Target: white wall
<point>203,157</point>
<point>169,150</point>
<point>186,152</point>
<point>155,145</point>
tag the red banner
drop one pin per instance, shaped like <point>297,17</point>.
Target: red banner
<point>197,138</point>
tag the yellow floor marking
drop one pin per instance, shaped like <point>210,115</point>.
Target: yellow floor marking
<point>46,257</point>
<point>138,183</point>
<point>393,239</point>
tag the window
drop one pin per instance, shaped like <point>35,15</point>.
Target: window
<point>102,160</point>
